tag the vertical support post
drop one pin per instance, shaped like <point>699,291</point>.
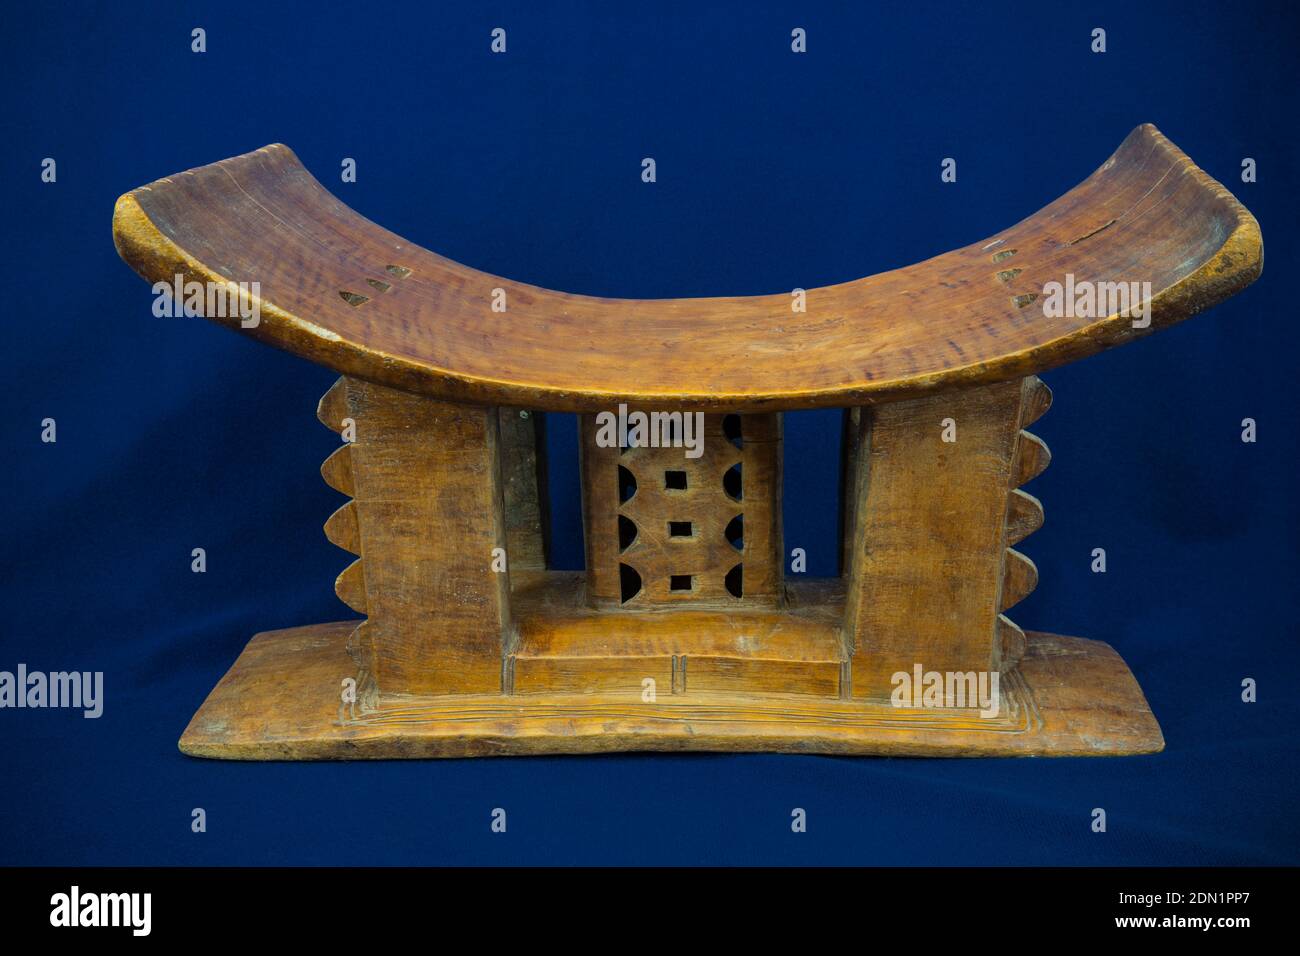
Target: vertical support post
<point>523,478</point>
<point>928,536</point>
<point>851,436</point>
<point>428,510</point>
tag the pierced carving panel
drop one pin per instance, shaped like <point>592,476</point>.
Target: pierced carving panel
<point>666,529</point>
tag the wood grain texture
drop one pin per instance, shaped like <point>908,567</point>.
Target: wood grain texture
<point>523,486</point>
<point>927,557</point>
<point>441,410</point>
<point>1032,458</point>
<point>342,529</point>
<point>675,521</point>
<point>427,513</point>
<point>1011,644</point>
<point>852,434</point>
<point>1036,401</point>
<point>280,701</point>
<point>1148,214</point>
<point>1019,577</point>
<point>740,647</point>
<point>1024,515</point>
<point>350,586</point>
<point>336,470</point>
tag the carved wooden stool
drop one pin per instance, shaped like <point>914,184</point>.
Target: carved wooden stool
<point>683,633</point>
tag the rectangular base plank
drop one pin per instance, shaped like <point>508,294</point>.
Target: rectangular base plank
<point>282,700</point>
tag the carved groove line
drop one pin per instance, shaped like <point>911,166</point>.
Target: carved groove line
<point>1019,713</point>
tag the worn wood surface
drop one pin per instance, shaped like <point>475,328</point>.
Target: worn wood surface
<point>523,487</point>
<point>426,514</point>
<point>564,644</point>
<point>968,317</point>
<point>280,701</point>
<point>1024,516</point>
<point>440,407</point>
<point>697,520</point>
<point>926,568</point>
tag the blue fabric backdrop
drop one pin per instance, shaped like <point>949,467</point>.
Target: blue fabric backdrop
<point>775,170</point>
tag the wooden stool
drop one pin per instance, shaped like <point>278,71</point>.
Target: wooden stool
<point>683,633</point>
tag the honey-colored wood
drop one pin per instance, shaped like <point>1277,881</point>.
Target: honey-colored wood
<point>342,528</point>
<point>1024,515</point>
<point>1032,458</point>
<point>470,644</point>
<point>928,543</point>
<point>1011,642</point>
<point>523,480</point>
<point>426,516</point>
<point>280,701</point>
<point>960,319</point>
<point>1019,577</point>
<point>683,531</point>
<point>852,433</point>
<point>350,586</point>
<point>1037,399</point>
<point>337,470</point>
<point>737,646</point>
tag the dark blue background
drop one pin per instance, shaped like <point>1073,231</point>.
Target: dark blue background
<point>775,170</point>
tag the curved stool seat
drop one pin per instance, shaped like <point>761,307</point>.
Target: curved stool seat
<point>341,291</point>
<point>691,627</point>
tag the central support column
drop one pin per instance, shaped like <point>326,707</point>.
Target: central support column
<point>679,526</point>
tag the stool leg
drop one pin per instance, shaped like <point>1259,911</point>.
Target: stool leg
<point>928,552</point>
<point>427,514</point>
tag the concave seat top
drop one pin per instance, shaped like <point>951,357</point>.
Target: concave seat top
<point>339,290</point>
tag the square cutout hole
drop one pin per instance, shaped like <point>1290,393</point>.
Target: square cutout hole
<point>675,480</point>
<point>680,529</point>
<point>681,582</point>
